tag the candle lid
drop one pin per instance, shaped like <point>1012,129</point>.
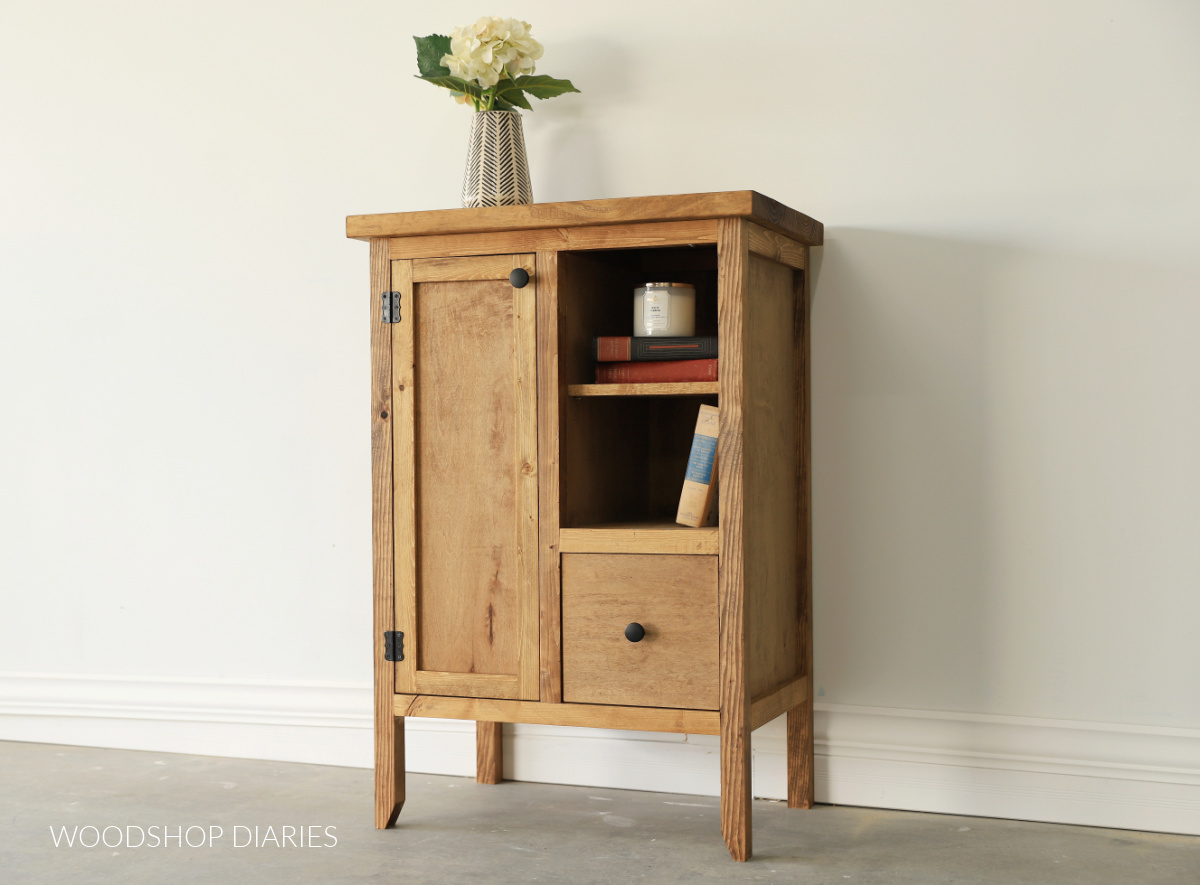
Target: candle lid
<point>672,285</point>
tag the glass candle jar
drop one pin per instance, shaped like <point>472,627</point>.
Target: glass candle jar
<point>664,310</point>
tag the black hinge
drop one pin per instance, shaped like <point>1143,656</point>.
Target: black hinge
<point>393,645</point>
<point>391,307</point>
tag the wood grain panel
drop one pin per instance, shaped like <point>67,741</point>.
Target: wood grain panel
<point>682,388</point>
<point>403,396</point>
<point>437,270</point>
<point>733,282</point>
<point>770,474</point>
<point>673,598</point>
<point>526,420</point>
<point>466,511</point>
<point>578,715</point>
<point>801,736</point>
<point>778,701</point>
<point>550,396</point>
<point>649,537</point>
<point>614,236</point>
<point>769,244</point>
<point>588,213</point>
<point>389,746</point>
<point>483,685</point>
<point>467,508</point>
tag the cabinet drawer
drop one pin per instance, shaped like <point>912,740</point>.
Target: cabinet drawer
<point>674,598</point>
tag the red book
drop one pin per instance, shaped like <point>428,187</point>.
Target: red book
<point>618,349</point>
<point>641,373</point>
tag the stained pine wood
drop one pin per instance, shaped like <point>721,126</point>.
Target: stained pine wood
<point>770,475</point>
<point>550,397</point>
<point>440,270</point>
<point>403,397</point>
<point>774,703</point>
<point>483,685</point>
<point>577,715</point>
<point>641,537</point>
<point>613,236</point>
<point>528,551</point>
<point>683,388</point>
<point>467,488</point>
<point>776,247</point>
<point>466,458</point>
<point>801,735</point>
<point>507,477</point>
<point>587,213</point>
<point>673,598</point>
<point>389,741</point>
<point>733,255</point>
<point>489,753</point>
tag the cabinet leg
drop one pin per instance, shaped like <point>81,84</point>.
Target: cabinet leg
<point>489,753</point>
<point>736,794</point>
<point>389,770</point>
<point>801,771</point>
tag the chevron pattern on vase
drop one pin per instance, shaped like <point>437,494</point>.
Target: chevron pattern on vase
<point>497,170</point>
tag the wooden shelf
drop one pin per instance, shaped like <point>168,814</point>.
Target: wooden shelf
<point>640,537</point>
<point>683,388</point>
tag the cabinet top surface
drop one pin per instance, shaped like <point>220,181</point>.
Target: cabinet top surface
<point>583,213</point>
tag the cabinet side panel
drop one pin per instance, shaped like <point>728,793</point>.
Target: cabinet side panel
<point>468,471</point>
<point>771,476</point>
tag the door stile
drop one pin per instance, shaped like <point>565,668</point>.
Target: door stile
<point>405,472</point>
<point>525,320</point>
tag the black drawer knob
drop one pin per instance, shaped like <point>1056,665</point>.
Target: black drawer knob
<point>635,632</point>
<point>519,278</point>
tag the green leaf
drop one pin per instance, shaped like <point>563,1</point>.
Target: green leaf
<point>429,55</point>
<point>510,93</point>
<point>454,84</point>
<point>543,87</point>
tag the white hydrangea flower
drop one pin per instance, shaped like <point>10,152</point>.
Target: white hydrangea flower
<point>485,50</point>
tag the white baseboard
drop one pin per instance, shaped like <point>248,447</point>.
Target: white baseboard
<point>1097,774</point>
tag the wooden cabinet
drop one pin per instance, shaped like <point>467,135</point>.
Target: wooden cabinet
<point>524,516</point>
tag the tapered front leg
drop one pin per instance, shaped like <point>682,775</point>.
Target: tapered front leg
<point>736,794</point>
<point>389,771</point>
<point>489,752</point>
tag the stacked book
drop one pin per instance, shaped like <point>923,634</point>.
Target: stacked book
<point>632,360</point>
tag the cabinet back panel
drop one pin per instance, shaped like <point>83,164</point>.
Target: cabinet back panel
<point>467,470</point>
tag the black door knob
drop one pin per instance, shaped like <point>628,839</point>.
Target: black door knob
<point>519,278</point>
<point>635,632</point>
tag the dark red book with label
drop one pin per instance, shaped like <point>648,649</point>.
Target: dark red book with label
<point>641,373</point>
<point>622,349</point>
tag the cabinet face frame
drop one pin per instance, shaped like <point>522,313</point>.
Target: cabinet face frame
<point>517,607</point>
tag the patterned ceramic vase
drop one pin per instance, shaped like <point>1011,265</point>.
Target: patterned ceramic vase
<point>497,171</point>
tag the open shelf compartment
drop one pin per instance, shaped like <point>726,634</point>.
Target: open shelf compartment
<point>625,447</point>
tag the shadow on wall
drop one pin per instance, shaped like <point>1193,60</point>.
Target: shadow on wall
<point>1004,450</point>
<point>563,133</point>
<point>900,387</point>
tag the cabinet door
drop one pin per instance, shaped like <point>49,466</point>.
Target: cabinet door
<point>465,465</point>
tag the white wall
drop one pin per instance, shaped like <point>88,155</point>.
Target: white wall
<point>1006,370</point>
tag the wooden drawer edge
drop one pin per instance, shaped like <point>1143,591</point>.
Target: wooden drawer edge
<point>632,539</point>
<point>578,715</point>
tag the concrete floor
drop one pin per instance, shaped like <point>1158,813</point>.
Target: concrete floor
<point>453,830</point>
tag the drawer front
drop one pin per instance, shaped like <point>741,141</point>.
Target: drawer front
<point>674,598</point>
